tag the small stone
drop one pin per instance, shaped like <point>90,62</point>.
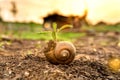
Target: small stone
<point>94,49</point>
<point>118,44</point>
<point>110,77</point>
<point>26,73</point>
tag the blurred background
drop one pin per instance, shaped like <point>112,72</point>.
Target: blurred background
<point>24,19</point>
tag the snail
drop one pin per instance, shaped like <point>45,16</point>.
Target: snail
<point>62,52</point>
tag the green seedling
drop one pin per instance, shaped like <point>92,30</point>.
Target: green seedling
<point>55,31</point>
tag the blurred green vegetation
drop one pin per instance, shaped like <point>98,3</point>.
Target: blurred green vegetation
<point>31,30</point>
<point>103,28</point>
<point>35,35</point>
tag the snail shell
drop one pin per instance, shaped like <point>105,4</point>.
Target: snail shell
<point>63,53</point>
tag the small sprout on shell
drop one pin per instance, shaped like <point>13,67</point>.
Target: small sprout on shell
<point>62,52</point>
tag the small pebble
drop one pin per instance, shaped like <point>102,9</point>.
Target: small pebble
<point>26,73</point>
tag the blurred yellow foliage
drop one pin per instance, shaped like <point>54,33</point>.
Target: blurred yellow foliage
<point>114,64</point>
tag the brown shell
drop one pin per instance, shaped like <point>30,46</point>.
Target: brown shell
<point>55,56</point>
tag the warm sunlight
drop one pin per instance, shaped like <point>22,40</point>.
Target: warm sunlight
<point>103,10</point>
<point>29,10</point>
<point>68,7</point>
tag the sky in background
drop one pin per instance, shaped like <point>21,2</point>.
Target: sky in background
<point>34,10</point>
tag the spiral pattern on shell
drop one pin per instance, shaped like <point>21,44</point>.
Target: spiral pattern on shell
<point>63,53</point>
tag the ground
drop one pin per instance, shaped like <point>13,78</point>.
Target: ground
<point>25,60</point>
